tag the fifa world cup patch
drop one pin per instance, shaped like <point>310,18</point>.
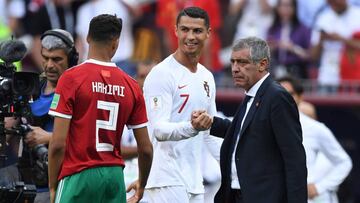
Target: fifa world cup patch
<point>155,102</point>
<point>55,101</point>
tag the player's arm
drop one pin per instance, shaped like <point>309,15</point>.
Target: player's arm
<point>341,162</point>
<point>56,152</point>
<point>129,152</point>
<point>159,100</point>
<point>145,154</point>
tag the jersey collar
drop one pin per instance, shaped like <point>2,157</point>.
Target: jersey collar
<point>102,63</point>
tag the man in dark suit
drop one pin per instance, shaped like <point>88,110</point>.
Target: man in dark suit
<point>262,157</point>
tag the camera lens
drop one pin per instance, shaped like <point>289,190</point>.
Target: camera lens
<point>5,85</point>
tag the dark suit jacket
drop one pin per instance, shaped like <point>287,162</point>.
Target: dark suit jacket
<point>270,158</point>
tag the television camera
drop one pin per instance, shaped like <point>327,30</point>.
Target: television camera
<point>16,92</point>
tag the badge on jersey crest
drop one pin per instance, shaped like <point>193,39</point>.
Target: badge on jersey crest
<point>55,101</point>
<point>155,102</point>
<point>207,88</point>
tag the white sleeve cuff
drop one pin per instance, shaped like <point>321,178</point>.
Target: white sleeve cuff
<point>166,131</point>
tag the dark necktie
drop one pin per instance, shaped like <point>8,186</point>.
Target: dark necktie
<point>241,116</point>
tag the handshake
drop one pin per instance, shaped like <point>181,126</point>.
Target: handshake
<point>201,120</point>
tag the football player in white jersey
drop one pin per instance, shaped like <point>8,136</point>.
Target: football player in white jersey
<point>173,90</point>
<point>327,162</point>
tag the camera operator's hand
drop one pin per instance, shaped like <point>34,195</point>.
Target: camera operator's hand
<point>10,122</point>
<point>37,136</point>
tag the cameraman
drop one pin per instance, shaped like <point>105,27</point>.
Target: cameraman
<point>58,54</point>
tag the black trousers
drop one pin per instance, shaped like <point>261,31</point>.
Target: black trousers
<point>236,196</point>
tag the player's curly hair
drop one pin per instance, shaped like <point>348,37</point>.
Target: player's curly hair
<point>105,27</point>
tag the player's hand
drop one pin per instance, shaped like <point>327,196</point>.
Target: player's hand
<point>139,192</point>
<point>37,136</point>
<point>312,191</point>
<point>201,120</point>
<point>196,114</point>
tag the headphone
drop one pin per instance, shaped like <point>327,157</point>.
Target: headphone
<point>73,55</point>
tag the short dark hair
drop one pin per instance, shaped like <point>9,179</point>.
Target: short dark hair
<point>295,83</point>
<point>105,27</point>
<point>194,12</point>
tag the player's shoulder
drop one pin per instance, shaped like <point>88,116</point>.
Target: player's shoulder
<point>164,65</point>
<point>314,127</point>
<point>76,72</point>
<point>203,68</point>
<point>161,70</point>
<point>77,68</point>
<point>127,77</point>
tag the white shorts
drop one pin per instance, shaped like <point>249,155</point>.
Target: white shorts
<point>173,194</point>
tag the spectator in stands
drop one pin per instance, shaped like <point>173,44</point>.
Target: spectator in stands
<point>350,60</point>
<point>332,30</point>
<point>4,28</point>
<point>53,14</point>
<point>122,10</point>
<point>256,17</point>
<point>319,141</point>
<point>289,40</point>
<point>308,12</point>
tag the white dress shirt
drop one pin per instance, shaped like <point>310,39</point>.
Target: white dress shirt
<point>252,92</point>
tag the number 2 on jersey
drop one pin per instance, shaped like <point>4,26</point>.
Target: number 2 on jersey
<point>107,125</point>
<point>185,101</point>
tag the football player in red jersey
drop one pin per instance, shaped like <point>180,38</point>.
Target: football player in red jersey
<point>92,103</point>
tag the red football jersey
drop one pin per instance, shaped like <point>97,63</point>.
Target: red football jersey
<point>100,99</point>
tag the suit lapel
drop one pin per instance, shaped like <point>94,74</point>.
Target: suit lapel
<point>250,115</point>
<point>256,104</point>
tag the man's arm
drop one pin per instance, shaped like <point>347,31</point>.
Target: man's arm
<point>145,154</point>
<point>287,131</point>
<point>159,102</point>
<point>219,127</point>
<point>56,152</point>
<point>341,162</point>
<point>128,152</point>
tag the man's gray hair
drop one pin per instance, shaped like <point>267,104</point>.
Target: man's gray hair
<point>52,42</point>
<point>259,49</point>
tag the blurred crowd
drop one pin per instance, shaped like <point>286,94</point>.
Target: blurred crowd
<point>318,40</point>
